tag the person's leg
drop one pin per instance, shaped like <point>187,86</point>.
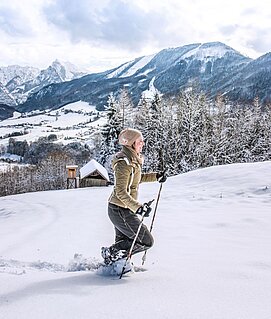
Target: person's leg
<point>119,236</point>
<point>144,240</point>
<point>126,225</point>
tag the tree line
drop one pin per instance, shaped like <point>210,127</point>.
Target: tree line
<point>43,165</point>
<point>190,131</point>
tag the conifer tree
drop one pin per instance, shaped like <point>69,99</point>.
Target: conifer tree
<point>126,108</point>
<point>154,134</point>
<point>110,132</point>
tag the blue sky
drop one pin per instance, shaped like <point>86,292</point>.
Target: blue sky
<point>99,35</point>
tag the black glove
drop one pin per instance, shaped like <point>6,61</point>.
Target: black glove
<point>144,209</point>
<point>161,176</point>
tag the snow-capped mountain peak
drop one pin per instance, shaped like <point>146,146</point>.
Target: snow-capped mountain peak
<point>24,73</point>
<point>66,70</point>
<point>20,82</point>
<point>209,50</point>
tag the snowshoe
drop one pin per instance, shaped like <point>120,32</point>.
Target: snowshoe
<point>115,268</point>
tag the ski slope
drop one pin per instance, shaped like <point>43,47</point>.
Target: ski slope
<point>211,258</point>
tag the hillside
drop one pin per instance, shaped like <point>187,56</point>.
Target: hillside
<point>73,122</point>
<point>210,260</point>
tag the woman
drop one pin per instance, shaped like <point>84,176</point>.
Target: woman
<point>123,206</point>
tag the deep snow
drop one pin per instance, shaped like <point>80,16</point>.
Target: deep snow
<point>211,257</point>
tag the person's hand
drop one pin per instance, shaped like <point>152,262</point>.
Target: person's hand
<point>144,210</point>
<point>161,176</point>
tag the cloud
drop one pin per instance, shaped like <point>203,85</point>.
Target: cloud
<point>228,29</point>
<point>74,17</point>
<point>247,37</point>
<point>111,32</point>
<point>118,23</point>
<point>262,43</point>
<point>13,24</point>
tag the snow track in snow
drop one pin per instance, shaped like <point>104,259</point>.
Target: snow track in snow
<point>16,267</point>
<point>78,263</point>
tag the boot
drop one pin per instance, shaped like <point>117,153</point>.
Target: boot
<point>111,254</point>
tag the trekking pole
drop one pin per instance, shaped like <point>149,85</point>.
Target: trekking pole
<point>152,222</point>
<point>129,255</point>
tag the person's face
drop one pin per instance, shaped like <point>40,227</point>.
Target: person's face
<point>138,145</point>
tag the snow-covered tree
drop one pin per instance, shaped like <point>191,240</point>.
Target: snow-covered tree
<point>191,127</point>
<point>153,133</point>
<point>110,132</point>
<point>126,108</point>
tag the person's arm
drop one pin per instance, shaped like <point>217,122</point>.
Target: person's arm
<point>148,177</point>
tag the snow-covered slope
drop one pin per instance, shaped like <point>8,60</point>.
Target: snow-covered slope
<point>57,72</point>
<point>6,97</point>
<point>22,81</point>
<point>71,123</point>
<point>130,68</point>
<point>205,51</point>
<point>14,71</point>
<point>211,258</point>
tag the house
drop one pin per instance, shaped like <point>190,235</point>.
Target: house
<point>93,174</point>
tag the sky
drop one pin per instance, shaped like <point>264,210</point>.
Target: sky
<point>97,35</point>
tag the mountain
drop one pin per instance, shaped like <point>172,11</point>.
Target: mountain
<point>212,67</point>
<point>20,82</point>
<point>21,73</point>
<point>11,77</point>
<point>6,111</point>
<point>55,73</point>
<point>253,81</point>
<point>5,96</point>
<point>206,65</point>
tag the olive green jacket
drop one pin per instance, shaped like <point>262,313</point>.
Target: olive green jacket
<point>128,176</point>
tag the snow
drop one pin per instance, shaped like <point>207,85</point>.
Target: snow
<point>211,258</point>
<point>71,71</point>
<point>7,166</point>
<point>91,167</point>
<point>78,106</point>
<point>131,70</point>
<point>150,93</point>
<point>16,115</point>
<point>10,72</point>
<point>202,53</point>
<point>207,53</point>
<point>119,70</point>
<point>10,157</point>
<point>77,125</point>
<point>146,72</point>
<point>139,65</point>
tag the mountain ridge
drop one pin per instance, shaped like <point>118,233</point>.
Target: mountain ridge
<point>20,82</point>
<point>214,67</point>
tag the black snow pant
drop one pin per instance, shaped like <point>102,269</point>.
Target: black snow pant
<point>126,225</point>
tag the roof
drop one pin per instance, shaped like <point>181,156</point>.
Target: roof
<point>91,167</point>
